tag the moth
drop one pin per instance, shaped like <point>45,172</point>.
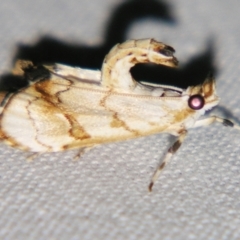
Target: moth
<point>67,107</point>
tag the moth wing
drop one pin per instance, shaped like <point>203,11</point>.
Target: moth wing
<point>61,113</point>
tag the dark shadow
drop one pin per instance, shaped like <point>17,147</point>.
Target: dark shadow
<point>228,114</point>
<point>49,49</point>
<point>129,12</point>
<point>12,83</point>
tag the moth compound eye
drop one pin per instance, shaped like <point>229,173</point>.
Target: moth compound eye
<point>196,102</point>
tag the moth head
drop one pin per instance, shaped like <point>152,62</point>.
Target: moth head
<point>203,96</point>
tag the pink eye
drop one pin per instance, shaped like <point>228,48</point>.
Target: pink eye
<point>196,102</point>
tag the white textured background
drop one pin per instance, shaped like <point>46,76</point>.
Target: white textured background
<point>104,194</point>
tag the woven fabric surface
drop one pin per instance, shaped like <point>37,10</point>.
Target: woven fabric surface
<point>104,194</point>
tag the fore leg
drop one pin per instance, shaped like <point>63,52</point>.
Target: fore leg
<point>81,152</point>
<point>172,150</point>
<point>212,119</point>
<point>32,156</point>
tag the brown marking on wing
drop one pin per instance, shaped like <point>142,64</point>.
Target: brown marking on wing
<point>11,141</point>
<point>116,121</point>
<point>50,103</point>
<point>76,131</point>
<point>3,136</point>
<point>51,88</point>
<point>45,88</point>
<point>46,107</point>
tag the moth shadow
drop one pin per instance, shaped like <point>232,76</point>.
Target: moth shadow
<point>11,83</point>
<point>228,114</point>
<point>48,49</point>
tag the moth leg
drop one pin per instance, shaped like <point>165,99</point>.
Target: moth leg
<point>212,119</point>
<point>172,150</point>
<point>32,156</point>
<point>81,152</point>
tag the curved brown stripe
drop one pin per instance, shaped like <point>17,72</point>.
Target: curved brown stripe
<point>116,121</point>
